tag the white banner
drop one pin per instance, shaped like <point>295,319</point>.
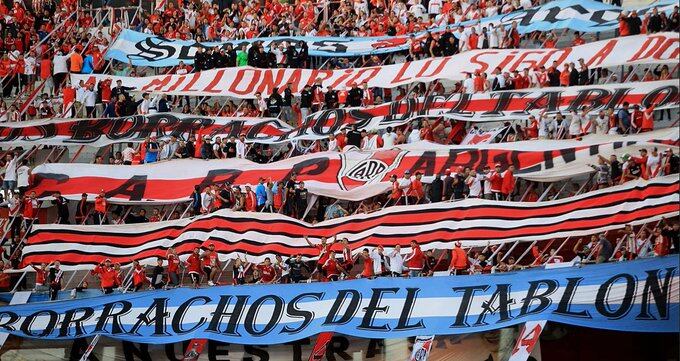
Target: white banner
<point>353,175</point>
<point>244,82</point>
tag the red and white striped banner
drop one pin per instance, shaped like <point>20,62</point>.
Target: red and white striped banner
<point>435,225</point>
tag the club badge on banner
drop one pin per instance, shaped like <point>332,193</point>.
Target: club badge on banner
<point>481,107</point>
<point>436,225</point>
<point>584,16</point>
<point>635,296</point>
<point>245,82</point>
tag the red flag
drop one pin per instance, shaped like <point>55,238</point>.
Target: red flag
<point>319,350</point>
<point>194,349</point>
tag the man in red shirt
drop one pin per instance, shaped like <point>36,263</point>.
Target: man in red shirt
<point>333,268</point>
<point>459,261</point>
<point>396,193</point>
<point>251,200</point>
<point>347,260</point>
<point>415,192</point>
<point>267,271</point>
<point>193,264</point>
<point>415,261</point>
<point>508,185</point>
<point>496,180</point>
<point>368,271</point>
<point>138,276</point>
<point>211,264</point>
<point>324,248</point>
<point>107,276</point>
<point>173,267</point>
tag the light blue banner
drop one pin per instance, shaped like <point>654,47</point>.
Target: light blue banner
<point>632,296</point>
<point>585,16</point>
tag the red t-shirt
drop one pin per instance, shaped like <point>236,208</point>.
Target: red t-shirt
<point>194,263</point>
<point>323,253</point>
<point>268,273</point>
<point>173,263</point>
<point>138,276</point>
<point>368,267</point>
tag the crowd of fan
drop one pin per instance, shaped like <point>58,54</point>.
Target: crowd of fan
<point>73,49</point>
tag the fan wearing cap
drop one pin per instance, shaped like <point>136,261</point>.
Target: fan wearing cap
<point>405,184</point>
<point>632,170</point>
<point>672,162</point>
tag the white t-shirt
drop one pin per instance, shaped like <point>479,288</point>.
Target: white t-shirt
<point>388,140</point>
<point>469,85</point>
<point>414,136</point>
<point>11,170</point>
<point>434,7</point>
<point>22,176</point>
<point>240,149</point>
<point>128,153</point>
<point>396,262</point>
<point>333,145</point>
<point>89,98</point>
<point>475,185</point>
<point>405,184</point>
<point>652,163</point>
<point>576,124</point>
<point>29,67</point>
<point>60,65</point>
<point>601,125</point>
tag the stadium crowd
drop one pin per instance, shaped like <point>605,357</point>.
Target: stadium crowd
<point>41,47</point>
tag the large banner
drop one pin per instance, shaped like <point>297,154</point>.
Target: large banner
<point>351,175</point>
<point>636,296</point>
<point>244,82</point>
<point>492,106</point>
<point>584,16</point>
<point>434,226</point>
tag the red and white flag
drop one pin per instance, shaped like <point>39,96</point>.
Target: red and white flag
<point>527,340</point>
<point>479,136</point>
<point>421,348</point>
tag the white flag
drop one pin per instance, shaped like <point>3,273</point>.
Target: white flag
<point>421,348</point>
